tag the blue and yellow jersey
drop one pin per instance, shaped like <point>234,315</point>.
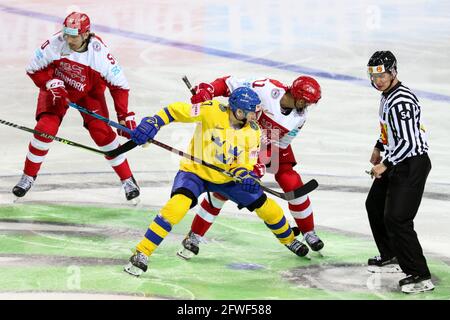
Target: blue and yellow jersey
<point>215,140</point>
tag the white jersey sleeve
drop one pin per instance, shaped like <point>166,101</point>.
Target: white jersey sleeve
<point>48,52</point>
<point>108,67</point>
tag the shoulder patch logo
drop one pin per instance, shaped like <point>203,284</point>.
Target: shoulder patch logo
<point>275,93</point>
<point>222,107</point>
<point>254,125</point>
<point>96,45</point>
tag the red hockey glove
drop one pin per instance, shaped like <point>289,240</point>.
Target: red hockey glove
<point>59,92</point>
<point>129,121</point>
<point>203,92</point>
<point>259,169</point>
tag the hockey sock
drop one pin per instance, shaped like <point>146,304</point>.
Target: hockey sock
<point>172,213</point>
<point>107,140</point>
<point>300,208</point>
<point>39,146</point>
<point>273,216</point>
<point>207,213</point>
<point>302,213</point>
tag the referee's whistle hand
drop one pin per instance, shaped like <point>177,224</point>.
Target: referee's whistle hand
<point>378,170</point>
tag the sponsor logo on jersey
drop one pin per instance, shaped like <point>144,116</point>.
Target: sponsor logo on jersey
<point>71,82</point>
<point>74,70</point>
<point>38,53</point>
<point>275,93</point>
<point>115,70</point>
<point>195,110</point>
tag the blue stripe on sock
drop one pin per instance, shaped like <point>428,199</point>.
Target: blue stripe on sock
<point>284,234</point>
<point>166,110</point>
<point>163,223</point>
<point>277,225</point>
<point>153,237</point>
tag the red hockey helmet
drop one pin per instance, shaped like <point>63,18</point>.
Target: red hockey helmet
<point>76,23</point>
<point>306,88</point>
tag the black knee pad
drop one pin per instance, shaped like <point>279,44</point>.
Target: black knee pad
<point>256,204</point>
<point>188,193</point>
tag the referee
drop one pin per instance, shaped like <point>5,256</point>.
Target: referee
<point>395,195</point>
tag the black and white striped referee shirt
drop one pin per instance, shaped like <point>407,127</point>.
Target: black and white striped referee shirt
<point>402,132</point>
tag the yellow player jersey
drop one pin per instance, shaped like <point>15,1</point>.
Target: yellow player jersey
<point>215,141</point>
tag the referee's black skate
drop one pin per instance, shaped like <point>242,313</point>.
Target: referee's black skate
<point>21,188</point>
<point>131,188</point>
<point>298,248</point>
<point>379,265</point>
<point>416,284</point>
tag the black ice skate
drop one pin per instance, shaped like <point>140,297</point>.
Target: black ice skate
<point>137,265</point>
<point>131,188</point>
<point>313,240</point>
<point>416,284</point>
<point>379,265</point>
<point>21,188</point>
<point>190,246</point>
<point>298,248</point>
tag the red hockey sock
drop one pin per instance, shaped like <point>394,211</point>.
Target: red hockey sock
<point>107,140</point>
<point>300,208</point>
<point>207,213</point>
<point>39,146</point>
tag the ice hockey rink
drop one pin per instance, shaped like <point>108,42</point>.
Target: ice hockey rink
<point>70,236</point>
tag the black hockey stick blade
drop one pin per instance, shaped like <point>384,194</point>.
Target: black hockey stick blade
<point>297,193</point>
<point>127,146</point>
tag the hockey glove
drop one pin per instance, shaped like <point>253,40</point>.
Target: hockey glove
<point>204,92</point>
<point>129,121</point>
<point>249,181</point>
<point>259,169</point>
<point>146,130</point>
<point>58,91</point>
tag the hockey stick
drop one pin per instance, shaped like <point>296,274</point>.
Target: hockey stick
<point>49,136</point>
<point>127,146</point>
<point>188,84</point>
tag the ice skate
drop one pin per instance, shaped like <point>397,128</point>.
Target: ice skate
<point>379,265</point>
<point>313,241</point>
<point>21,188</point>
<point>137,265</point>
<point>131,188</point>
<point>416,284</point>
<point>190,246</point>
<point>298,248</point>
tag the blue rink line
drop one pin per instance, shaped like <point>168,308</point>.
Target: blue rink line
<point>219,53</point>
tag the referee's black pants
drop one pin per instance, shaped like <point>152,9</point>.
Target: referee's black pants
<point>391,205</point>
